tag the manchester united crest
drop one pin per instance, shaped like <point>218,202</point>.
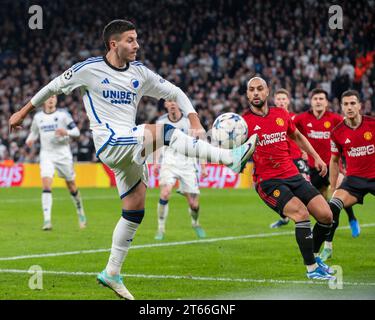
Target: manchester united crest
<point>280,122</point>
<point>367,135</point>
<point>327,124</point>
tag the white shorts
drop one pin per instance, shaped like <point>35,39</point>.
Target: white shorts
<point>119,155</point>
<point>186,175</point>
<point>64,167</point>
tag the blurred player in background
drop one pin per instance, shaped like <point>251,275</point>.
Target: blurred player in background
<point>299,157</point>
<point>175,166</point>
<point>54,128</point>
<point>278,182</point>
<point>112,86</point>
<point>316,125</point>
<point>353,138</point>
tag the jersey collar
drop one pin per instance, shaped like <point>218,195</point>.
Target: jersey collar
<point>259,115</point>
<point>176,120</point>
<point>312,113</point>
<point>360,124</point>
<point>49,112</point>
<point>113,67</point>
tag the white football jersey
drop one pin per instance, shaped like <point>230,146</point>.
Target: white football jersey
<point>111,95</point>
<point>44,126</point>
<point>170,156</point>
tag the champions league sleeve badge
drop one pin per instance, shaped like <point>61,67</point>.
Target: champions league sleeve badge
<point>68,74</point>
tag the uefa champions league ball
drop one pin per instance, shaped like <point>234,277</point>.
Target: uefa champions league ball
<point>229,130</point>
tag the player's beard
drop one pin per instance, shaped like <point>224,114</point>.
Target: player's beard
<point>258,105</point>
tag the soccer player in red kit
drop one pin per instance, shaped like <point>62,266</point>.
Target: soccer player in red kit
<point>278,181</point>
<point>282,100</point>
<point>316,125</point>
<point>353,138</point>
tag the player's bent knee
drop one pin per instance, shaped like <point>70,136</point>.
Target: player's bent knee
<point>165,195</point>
<point>297,212</point>
<point>325,217</point>
<point>135,216</point>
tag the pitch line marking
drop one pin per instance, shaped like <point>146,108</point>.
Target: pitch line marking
<point>194,278</point>
<point>102,197</point>
<point>166,244</point>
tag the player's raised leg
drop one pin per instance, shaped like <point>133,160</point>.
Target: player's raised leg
<point>77,200</point>
<point>157,135</point>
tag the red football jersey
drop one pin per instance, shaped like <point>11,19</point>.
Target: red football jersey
<point>271,158</point>
<point>318,132</point>
<point>357,146</point>
<point>295,151</point>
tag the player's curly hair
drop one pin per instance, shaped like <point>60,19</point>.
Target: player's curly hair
<point>114,29</point>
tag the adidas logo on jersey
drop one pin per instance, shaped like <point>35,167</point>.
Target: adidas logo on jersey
<point>256,128</point>
<point>347,140</point>
<point>309,125</point>
<point>106,81</point>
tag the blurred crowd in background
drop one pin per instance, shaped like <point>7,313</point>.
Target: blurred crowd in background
<point>209,48</point>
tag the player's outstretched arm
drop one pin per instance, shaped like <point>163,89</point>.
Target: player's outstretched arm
<point>17,118</point>
<point>306,146</point>
<point>65,83</point>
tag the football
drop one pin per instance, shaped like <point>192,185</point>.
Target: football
<point>229,130</point>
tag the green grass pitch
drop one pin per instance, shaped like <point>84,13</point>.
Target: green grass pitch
<point>242,258</point>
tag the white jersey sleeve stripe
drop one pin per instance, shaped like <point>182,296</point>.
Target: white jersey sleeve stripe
<point>85,64</point>
<point>87,60</point>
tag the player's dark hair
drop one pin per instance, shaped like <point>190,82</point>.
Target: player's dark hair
<point>115,28</point>
<point>282,91</point>
<point>318,91</point>
<point>350,93</point>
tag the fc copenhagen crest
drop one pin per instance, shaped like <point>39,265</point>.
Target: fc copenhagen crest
<point>327,124</point>
<point>280,122</point>
<point>276,193</point>
<point>367,135</point>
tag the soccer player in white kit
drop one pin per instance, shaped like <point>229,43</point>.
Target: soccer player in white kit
<point>174,166</point>
<point>111,87</point>
<point>54,128</point>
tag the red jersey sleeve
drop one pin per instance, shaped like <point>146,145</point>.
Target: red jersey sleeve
<point>335,146</point>
<point>291,126</point>
<point>297,121</point>
<point>337,119</point>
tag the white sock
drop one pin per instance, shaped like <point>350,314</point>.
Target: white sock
<point>328,245</point>
<point>312,267</point>
<point>77,200</point>
<point>47,205</point>
<point>121,241</point>
<point>194,216</point>
<point>191,147</point>
<point>162,216</point>
<point>286,219</point>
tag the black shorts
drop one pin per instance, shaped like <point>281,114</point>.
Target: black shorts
<point>302,166</point>
<point>318,181</point>
<point>358,187</point>
<point>276,193</point>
